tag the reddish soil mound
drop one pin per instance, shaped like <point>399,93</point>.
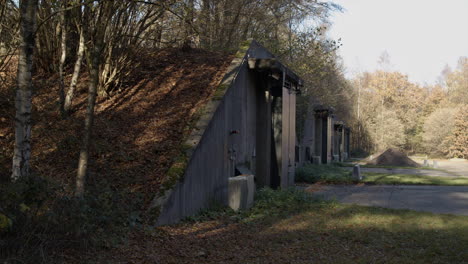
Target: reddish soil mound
<point>393,157</point>
<point>136,132</point>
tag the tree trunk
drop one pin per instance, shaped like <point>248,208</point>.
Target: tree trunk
<point>92,91</point>
<point>84,151</point>
<point>23,102</point>
<point>76,74</point>
<point>188,26</point>
<point>63,57</point>
<point>93,57</point>
<point>206,24</point>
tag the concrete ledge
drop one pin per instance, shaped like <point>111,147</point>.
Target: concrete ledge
<point>241,192</point>
<point>316,160</point>
<point>336,158</point>
<point>345,156</point>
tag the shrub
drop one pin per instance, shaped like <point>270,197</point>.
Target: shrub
<point>312,173</point>
<point>268,203</point>
<point>37,219</point>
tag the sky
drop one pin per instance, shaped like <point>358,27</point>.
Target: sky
<point>421,36</point>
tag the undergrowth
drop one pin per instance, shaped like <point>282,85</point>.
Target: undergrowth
<point>269,203</point>
<point>312,173</point>
<point>37,220</point>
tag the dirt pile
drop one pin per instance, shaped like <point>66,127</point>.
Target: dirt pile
<point>393,157</point>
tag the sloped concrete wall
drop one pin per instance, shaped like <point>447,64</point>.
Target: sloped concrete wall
<point>225,136</point>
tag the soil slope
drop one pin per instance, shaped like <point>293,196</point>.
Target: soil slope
<point>136,131</point>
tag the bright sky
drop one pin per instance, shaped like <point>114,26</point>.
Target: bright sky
<point>421,36</point>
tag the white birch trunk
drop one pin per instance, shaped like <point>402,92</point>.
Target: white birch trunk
<point>63,57</point>
<point>23,101</point>
<point>76,74</point>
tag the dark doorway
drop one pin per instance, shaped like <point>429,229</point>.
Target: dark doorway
<point>324,139</point>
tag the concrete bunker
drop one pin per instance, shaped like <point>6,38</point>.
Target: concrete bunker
<point>248,128</point>
<point>338,141</point>
<point>347,142</point>
<point>323,134</point>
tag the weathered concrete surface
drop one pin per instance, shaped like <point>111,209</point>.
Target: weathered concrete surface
<point>241,192</point>
<point>357,173</point>
<point>408,171</point>
<point>436,199</point>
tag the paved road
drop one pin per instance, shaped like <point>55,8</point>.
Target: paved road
<point>455,167</point>
<point>450,168</point>
<point>409,171</point>
<point>436,199</point>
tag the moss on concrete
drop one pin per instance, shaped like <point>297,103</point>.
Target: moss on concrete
<point>220,91</point>
<point>244,46</point>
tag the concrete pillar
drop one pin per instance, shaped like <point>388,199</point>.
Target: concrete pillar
<point>241,190</point>
<point>329,138</point>
<point>318,137</point>
<point>276,141</point>
<point>342,145</point>
<point>357,173</point>
<point>292,138</point>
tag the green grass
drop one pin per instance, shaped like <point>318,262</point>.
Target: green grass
<point>387,178</point>
<point>349,164</point>
<point>312,173</point>
<point>287,227</point>
<point>330,174</point>
<point>398,167</point>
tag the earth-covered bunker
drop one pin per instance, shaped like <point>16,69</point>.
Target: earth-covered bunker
<point>248,127</point>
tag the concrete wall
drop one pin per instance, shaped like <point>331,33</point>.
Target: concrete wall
<point>228,140</point>
<point>329,133</point>
<point>288,139</point>
<point>246,126</point>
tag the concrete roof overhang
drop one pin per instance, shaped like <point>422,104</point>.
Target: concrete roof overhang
<point>274,66</point>
<point>322,108</point>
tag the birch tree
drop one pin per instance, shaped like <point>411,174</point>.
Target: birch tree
<point>63,57</point>
<point>23,101</point>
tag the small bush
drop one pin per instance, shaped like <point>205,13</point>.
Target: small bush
<point>313,173</point>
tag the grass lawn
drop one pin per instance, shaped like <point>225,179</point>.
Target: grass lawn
<point>387,178</point>
<point>347,164</point>
<point>291,227</point>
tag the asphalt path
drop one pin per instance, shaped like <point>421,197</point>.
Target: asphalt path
<point>435,199</point>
